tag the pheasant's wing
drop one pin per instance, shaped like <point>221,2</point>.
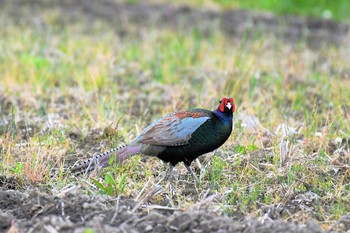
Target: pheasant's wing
<point>174,129</point>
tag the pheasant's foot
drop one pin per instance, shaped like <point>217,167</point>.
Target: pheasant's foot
<point>171,171</point>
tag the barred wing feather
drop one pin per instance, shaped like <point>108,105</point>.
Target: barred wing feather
<point>172,130</point>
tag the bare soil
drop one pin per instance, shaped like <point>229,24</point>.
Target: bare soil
<point>36,211</point>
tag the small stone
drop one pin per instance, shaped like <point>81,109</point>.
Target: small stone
<point>338,140</point>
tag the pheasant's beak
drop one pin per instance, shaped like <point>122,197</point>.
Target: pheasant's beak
<point>228,105</point>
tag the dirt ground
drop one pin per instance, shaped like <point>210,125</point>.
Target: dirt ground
<point>121,17</point>
<point>35,211</point>
<point>38,209</point>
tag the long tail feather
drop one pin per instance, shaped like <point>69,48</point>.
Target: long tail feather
<point>102,160</point>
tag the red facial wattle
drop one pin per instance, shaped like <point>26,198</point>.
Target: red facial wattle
<point>233,104</point>
<point>223,104</point>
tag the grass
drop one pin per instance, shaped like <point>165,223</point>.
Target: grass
<point>69,91</point>
<point>336,10</point>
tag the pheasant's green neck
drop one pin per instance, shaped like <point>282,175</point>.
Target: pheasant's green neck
<point>226,116</point>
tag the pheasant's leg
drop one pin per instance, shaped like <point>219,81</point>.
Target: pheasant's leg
<point>199,164</point>
<point>171,171</point>
<point>190,171</point>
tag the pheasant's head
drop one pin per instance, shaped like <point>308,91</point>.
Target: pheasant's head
<point>227,105</point>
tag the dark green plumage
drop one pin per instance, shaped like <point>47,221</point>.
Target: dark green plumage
<point>207,137</point>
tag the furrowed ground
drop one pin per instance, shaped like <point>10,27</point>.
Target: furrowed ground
<point>80,78</point>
